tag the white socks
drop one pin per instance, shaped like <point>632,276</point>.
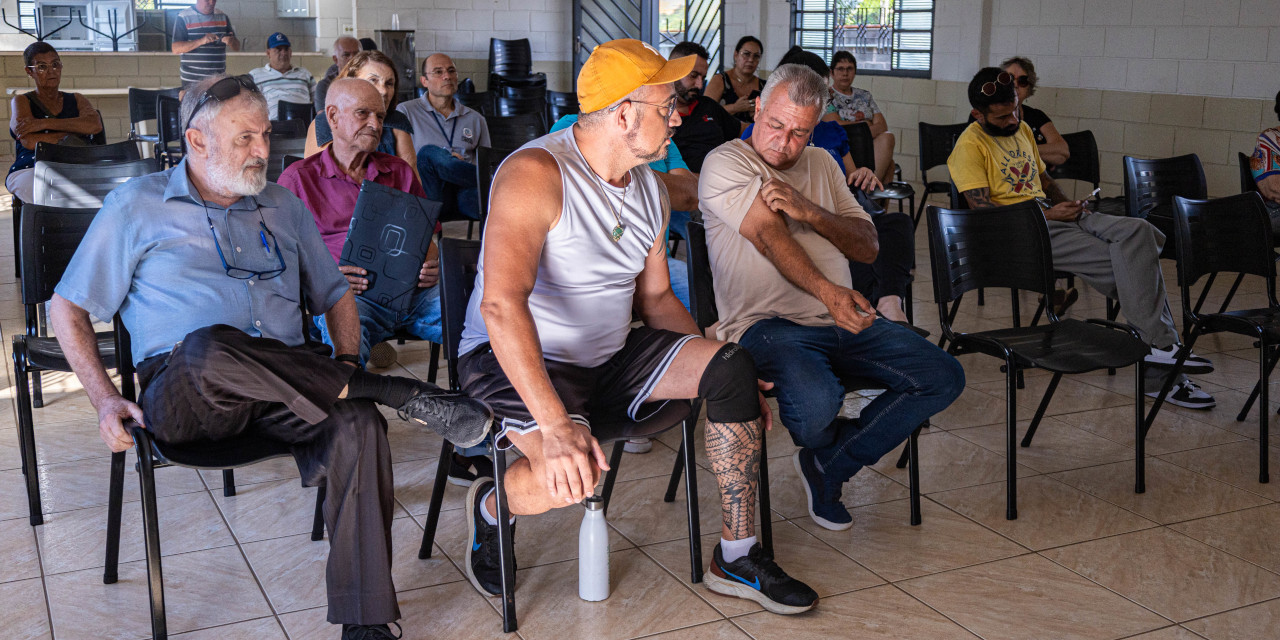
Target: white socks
<point>484,510</point>
<point>733,549</point>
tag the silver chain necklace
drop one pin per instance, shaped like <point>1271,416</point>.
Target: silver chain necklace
<point>619,229</point>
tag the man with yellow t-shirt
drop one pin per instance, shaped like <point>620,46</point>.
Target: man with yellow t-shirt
<point>995,162</point>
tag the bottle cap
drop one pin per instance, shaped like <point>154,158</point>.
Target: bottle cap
<point>594,503</point>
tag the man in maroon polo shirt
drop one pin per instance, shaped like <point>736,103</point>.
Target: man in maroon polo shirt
<point>329,183</point>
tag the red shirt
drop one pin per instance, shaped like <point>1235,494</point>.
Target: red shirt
<point>330,194</point>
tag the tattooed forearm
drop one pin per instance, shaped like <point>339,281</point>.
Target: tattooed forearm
<point>734,450</point>
<point>979,198</point>
<point>1051,189</point>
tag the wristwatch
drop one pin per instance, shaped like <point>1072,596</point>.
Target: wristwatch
<point>349,357</point>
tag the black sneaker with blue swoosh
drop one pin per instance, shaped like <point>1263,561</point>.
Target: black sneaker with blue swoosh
<point>757,577</point>
<point>482,560</point>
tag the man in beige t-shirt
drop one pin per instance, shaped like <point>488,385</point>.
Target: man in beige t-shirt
<point>781,230</point>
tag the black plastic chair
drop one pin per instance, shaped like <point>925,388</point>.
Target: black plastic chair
<point>283,146</point>
<point>936,143</point>
<point>458,260</point>
<point>289,129</point>
<point>505,107</point>
<point>59,184</point>
<point>511,132</point>
<point>511,64</point>
<point>862,150</point>
<point>481,101</point>
<point>288,160</point>
<point>170,143</point>
<point>1231,234</point>
<point>1150,186</point>
<point>705,312</point>
<point>1009,247</point>
<point>560,104</point>
<point>1083,165</point>
<point>49,238</point>
<point>90,154</point>
<point>1247,183</point>
<point>287,111</point>
<point>142,108</point>
<point>153,454</point>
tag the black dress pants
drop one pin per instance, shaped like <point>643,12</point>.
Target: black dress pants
<point>220,382</point>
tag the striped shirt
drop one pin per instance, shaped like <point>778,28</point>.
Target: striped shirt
<point>294,85</point>
<point>205,60</point>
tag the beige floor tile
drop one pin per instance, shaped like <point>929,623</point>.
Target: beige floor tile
<point>541,539</point>
<point>265,471</point>
<point>85,483</point>
<point>1071,397</point>
<point>19,550</point>
<point>201,589</point>
<point>269,510</point>
<point>1167,633</point>
<point>949,462</point>
<point>410,572</point>
<point>643,599</point>
<point>1169,573</point>
<point>10,453</point>
<point>13,495</point>
<point>311,624</point>
<point>722,630</point>
<point>1050,513</point>
<point>1223,416</point>
<point>68,441</point>
<point>22,610</point>
<point>1008,598</point>
<point>76,540</point>
<point>409,441</point>
<point>1235,464</point>
<point>260,629</point>
<point>414,481</point>
<point>973,408</point>
<point>882,540</point>
<point>1057,446</point>
<point>1247,534</point>
<point>879,612</point>
<point>1173,494</point>
<point>787,497</point>
<point>800,554</point>
<point>291,571</point>
<point>1256,621</point>
<point>637,511</point>
<point>1171,431</point>
<point>456,610</point>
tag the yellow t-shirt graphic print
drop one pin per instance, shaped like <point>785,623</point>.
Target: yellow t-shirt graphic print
<point>1008,165</point>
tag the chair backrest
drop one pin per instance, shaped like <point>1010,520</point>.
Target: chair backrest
<point>702,295</point>
<point>524,92</point>
<point>561,104</point>
<point>85,185</point>
<point>48,238</point>
<point>936,143</point>
<point>91,154</point>
<point>958,201</point>
<point>169,125</point>
<point>511,132</point>
<point>1083,164</point>
<point>510,57</point>
<point>1247,183</point>
<point>458,260</point>
<point>1150,185</point>
<point>487,161</point>
<point>142,104</point>
<point>288,160</point>
<point>481,101</point>
<point>861,146</point>
<point>289,129</point>
<point>1231,234</point>
<point>304,111</point>
<point>998,247</point>
<point>281,147</point>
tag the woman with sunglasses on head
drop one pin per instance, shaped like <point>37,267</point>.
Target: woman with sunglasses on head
<point>46,115</point>
<point>738,88</point>
<point>397,132</point>
<point>1053,148</point>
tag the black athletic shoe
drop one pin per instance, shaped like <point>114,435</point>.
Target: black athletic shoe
<point>370,632</point>
<point>457,417</point>
<point>460,472</point>
<point>484,569</point>
<point>757,577</point>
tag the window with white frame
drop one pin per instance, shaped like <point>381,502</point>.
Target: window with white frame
<point>888,37</point>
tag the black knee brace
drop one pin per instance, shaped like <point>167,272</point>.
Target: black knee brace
<point>728,386</point>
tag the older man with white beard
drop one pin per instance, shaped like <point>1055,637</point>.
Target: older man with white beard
<point>208,267</point>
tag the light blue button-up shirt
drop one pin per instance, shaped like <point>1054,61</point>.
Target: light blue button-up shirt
<point>150,256</point>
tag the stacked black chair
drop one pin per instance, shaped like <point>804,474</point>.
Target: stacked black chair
<point>458,260</point>
<point>481,101</point>
<point>1247,183</point>
<point>91,154</point>
<point>58,184</point>
<point>506,134</point>
<point>936,143</point>
<point>519,100</point>
<point>1009,247</point>
<point>49,237</point>
<point>560,104</point>
<point>284,143</point>
<point>170,143</point>
<point>862,150</point>
<point>304,111</point>
<point>511,64</point>
<point>142,108</point>
<point>1231,234</point>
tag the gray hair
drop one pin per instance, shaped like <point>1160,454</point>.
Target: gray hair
<point>805,87</point>
<point>337,43</point>
<point>213,108</point>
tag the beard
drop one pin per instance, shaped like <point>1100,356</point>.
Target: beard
<point>248,179</point>
<point>633,145</point>
<point>1001,132</point>
<point>689,95</point>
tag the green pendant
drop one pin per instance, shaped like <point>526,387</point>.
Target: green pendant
<point>616,235</point>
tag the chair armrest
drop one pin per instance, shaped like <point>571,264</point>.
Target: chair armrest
<point>1115,325</point>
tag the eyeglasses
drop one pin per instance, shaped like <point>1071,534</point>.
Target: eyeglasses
<point>1023,81</point>
<point>664,109</point>
<point>747,55</point>
<point>989,88</point>
<point>45,68</point>
<point>223,90</point>
<point>246,274</point>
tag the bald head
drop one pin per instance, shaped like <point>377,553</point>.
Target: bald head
<point>440,76</point>
<point>343,50</point>
<point>355,112</point>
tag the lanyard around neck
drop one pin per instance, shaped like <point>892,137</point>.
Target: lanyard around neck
<point>440,125</point>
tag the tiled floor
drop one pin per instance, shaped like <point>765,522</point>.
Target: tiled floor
<point>1196,556</point>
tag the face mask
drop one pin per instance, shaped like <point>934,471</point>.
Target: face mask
<point>1001,132</point>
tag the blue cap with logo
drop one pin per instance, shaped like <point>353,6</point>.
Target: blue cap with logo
<point>278,39</point>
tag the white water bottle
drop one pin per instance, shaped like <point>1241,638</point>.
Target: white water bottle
<point>593,552</point>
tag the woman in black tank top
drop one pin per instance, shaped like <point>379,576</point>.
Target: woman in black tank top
<point>738,88</point>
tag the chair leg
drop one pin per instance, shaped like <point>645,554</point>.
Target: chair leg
<point>691,500</point>
<point>1264,415</point>
<point>317,523</point>
<point>433,370</point>
<point>924,201</point>
<point>676,470</point>
<point>437,499</point>
<point>982,298</point>
<point>913,475</point>
<point>27,446</point>
<point>37,391</point>
<point>1139,436</point>
<point>1011,444</point>
<point>228,483</point>
<point>1113,312</point>
<point>506,546</point>
<point>1253,396</point>
<point>1044,406</point>
<point>762,497</point>
<point>115,499</point>
<point>611,476</point>
<point>1173,376</point>
<point>151,535</point>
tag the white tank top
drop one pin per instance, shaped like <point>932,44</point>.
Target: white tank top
<point>581,302</point>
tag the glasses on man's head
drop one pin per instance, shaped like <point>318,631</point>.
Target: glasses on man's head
<point>222,91</point>
<point>989,88</point>
<point>246,274</point>
<point>46,67</point>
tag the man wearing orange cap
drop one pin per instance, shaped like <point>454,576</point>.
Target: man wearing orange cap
<point>576,221</point>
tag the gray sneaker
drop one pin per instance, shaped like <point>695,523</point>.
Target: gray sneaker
<point>457,417</point>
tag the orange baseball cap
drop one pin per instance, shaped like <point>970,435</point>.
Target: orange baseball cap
<point>618,67</point>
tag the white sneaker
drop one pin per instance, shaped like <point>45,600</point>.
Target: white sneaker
<point>638,445</point>
<point>382,355</point>
<point>1187,394</point>
<point>1167,357</point>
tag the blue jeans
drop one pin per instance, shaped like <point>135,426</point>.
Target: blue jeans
<point>679,280</point>
<point>679,220</point>
<point>449,181</point>
<point>377,323</point>
<point>807,363</point>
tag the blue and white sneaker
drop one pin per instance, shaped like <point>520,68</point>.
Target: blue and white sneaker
<point>825,509</point>
<point>757,577</point>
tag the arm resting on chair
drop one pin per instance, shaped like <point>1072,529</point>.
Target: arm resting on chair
<point>76,337</point>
